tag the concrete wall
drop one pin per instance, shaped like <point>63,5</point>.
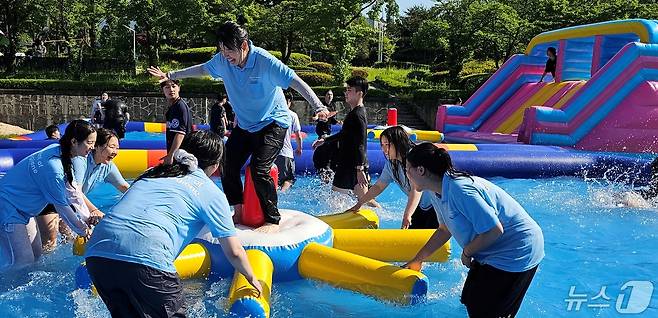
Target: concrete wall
<point>34,110</point>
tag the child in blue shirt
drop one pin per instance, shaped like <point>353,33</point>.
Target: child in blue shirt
<point>419,213</point>
<point>45,176</point>
<point>502,245</point>
<point>130,256</point>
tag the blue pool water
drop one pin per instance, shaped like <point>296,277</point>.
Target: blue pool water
<point>590,244</point>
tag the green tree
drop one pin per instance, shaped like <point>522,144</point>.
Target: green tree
<point>403,31</point>
<point>430,36</point>
<point>17,19</point>
<point>338,23</point>
<point>497,30</point>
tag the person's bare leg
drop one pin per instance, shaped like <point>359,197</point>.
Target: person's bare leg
<point>48,227</point>
<point>66,231</point>
<point>286,185</point>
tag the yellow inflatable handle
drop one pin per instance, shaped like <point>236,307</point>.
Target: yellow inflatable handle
<point>243,298</point>
<point>79,246</point>
<point>363,219</point>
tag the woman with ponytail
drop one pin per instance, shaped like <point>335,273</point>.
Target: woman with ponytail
<point>130,256</point>
<point>44,177</point>
<point>501,244</point>
<point>419,213</point>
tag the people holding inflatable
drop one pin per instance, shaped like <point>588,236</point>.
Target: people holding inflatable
<point>45,176</point>
<point>130,256</point>
<point>254,80</point>
<point>502,245</point>
<point>419,213</point>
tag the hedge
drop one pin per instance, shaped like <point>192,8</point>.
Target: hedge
<point>193,55</point>
<point>359,71</point>
<point>316,78</point>
<point>322,67</point>
<point>190,85</point>
<point>68,86</point>
<point>296,59</point>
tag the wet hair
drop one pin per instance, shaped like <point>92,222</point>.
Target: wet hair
<point>288,96</point>
<point>103,136</point>
<point>231,35</point>
<point>436,160</point>
<point>78,130</point>
<point>552,50</point>
<point>205,145</point>
<point>50,131</point>
<point>169,80</point>
<point>114,113</point>
<point>359,83</point>
<point>399,138</point>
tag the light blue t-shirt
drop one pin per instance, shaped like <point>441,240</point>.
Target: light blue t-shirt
<point>255,91</point>
<point>158,217</point>
<point>89,174</point>
<point>471,207</point>
<point>387,177</point>
<point>296,128</point>
<point>31,184</point>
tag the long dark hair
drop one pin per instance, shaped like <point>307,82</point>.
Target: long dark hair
<point>79,130</point>
<point>205,145</point>
<point>399,138</point>
<point>436,160</point>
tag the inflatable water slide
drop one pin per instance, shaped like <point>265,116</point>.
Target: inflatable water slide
<point>604,96</point>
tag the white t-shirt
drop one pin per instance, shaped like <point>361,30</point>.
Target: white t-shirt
<point>286,151</point>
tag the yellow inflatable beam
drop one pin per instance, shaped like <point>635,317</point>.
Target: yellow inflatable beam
<point>193,261</point>
<point>362,274</point>
<point>242,296</point>
<point>388,245</point>
<point>364,219</point>
<point>428,135</point>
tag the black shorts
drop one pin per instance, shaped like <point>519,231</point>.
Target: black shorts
<point>345,178</point>
<point>424,219</point>
<point>49,209</point>
<point>491,292</point>
<point>286,168</point>
<point>135,290</point>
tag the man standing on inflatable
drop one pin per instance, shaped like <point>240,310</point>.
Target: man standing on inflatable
<point>254,80</point>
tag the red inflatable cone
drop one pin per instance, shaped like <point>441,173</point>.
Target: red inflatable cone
<point>252,214</point>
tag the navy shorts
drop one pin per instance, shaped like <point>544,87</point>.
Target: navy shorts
<point>136,290</point>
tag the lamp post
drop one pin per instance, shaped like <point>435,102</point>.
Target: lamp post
<point>134,35</point>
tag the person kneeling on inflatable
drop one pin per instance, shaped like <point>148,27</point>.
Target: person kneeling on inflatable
<point>130,256</point>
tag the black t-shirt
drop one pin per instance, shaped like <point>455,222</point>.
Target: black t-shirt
<point>324,127</point>
<point>550,66</point>
<point>230,115</point>
<point>217,112</point>
<point>352,139</point>
<point>179,120</point>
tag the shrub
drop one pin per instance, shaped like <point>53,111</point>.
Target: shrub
<point>316,78</point>
<point>299,59</point>
<point>419,75</point>
<point>477,67</point>
<point>296,59</point>
<point>439,77</point>
<point>276,54</point>
<point>321,67</point>
<point>300,69</point>
<point>193,55</point>
<point>359,71</point>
